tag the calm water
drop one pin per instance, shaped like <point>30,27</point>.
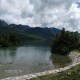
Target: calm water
<point>29,59</point>
<point>28,55</point>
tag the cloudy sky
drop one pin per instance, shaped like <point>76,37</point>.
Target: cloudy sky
<point>43,13</point>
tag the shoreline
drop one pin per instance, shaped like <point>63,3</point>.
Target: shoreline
<point>75,56</point>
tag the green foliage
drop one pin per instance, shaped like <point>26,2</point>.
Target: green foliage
<point>8,40</point>
<point>65,42</point>
<point>71,74</point>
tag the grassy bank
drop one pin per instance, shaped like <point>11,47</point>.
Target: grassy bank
<point>71,74</point>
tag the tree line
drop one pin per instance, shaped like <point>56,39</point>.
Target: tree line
<point>9,39</point>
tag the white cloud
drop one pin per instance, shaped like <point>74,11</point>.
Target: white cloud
<point>58,13</point>
<point>16,11</point>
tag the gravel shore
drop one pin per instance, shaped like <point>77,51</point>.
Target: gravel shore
<point>75,56</point>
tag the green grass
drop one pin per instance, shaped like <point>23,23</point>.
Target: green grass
<point>71,74</point>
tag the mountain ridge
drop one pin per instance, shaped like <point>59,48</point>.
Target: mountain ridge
<point>28,32</point>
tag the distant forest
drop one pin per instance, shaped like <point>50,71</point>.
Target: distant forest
<point>12,34</point>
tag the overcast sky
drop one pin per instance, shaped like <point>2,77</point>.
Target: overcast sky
<point>43,13</point>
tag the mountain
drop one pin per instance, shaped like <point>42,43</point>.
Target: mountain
<point>46,33</point>
<point>3,23</point>
<point>19,27</point>
<point>25,32</point>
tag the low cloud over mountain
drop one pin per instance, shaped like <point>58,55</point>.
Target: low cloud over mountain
<point>58,13</point>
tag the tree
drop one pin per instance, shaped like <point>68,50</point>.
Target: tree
<point>65,42</point>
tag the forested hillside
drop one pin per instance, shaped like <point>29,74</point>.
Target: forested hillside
<point>12,34</point>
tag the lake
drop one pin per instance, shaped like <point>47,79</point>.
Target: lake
<point>15,61</point>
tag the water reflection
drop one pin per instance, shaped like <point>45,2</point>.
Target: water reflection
<point>60,60</point>
<point>33,56</point>
<point>7,55</point>
<point>30,58</point>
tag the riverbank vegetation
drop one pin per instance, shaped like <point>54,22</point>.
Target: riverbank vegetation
<point>71,74</point>
<point>65,42</point>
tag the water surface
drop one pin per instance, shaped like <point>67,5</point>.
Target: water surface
<point>15,61</point>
